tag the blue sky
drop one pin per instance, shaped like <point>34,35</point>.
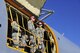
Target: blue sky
<point>66,18</point>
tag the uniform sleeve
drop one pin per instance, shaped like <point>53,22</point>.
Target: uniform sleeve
<point>31,25</point>
<point>29,22</point>
<point>36,31</point>
<point>14,25</point>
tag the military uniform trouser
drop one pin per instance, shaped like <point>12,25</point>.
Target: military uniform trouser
<point>33,49</point>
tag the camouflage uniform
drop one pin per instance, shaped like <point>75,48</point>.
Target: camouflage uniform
<point>32,44</point>
<point>15,34</point>
<point>15,37</point>
<point>40,35</point>
<point>31,28</point>
<point>15,26</point>
<point>24,39</point>
<point>40,32</point>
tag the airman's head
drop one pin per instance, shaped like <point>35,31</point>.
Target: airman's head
<point>33,18</point>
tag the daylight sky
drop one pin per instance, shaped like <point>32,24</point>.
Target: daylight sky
<point>66,18</point>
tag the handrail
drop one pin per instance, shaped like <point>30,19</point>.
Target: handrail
<point>17,49</point>
<point>23,28</point>
<point>17,10</point>
<point>26,46</point>
<point>10,13</point>
<point>55,40</point>
<point>12,40</point>
<point>28,31</point>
